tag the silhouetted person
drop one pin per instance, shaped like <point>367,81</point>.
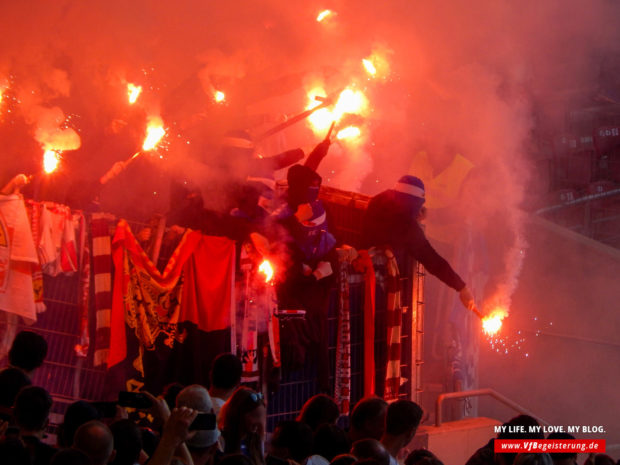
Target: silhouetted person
<point>486,455</point>
<point>368,419</point>
<point>127,442</point>
<point>77,414</point>
<point>391,220</point>
<point>319,410</point>
<point>560,458</point>
<point>401,423</point>
<point>71,457</point>
<point>422,457</point>
<point>96,441</point>
<point>31,413</point>
<point>291,440</point>
<point>225,378</point>
<point>330,441</point>
<point>28,351</point>
<point>11,381</point>
<point>370,449</point>
<point>170,393</point>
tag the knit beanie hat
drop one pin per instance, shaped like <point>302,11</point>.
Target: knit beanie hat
<point>410,185</point>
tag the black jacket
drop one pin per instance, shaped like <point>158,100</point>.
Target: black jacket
<point>390,220</point>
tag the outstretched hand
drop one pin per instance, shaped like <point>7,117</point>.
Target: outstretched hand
<point>467,299</point>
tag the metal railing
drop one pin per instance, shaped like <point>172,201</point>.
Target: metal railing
<point>477,393</point>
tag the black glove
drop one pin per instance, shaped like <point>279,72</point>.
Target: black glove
<point>319,152</point>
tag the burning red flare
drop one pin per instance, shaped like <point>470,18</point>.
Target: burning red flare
<point>492,323</point>
<point>266,269</point>
<point>350,132</point>
<point>51,160</point>
<point>133,92</point>
<point>154,133</point>
<point>323,14</point>
<point>219,96</point>
<point>350,101</point>
<point>370,67</point>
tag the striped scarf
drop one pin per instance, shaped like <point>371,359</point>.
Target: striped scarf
<point>342,383</point>
<point>102,273</point>
<point>394,324</point>
<point>81,348</point>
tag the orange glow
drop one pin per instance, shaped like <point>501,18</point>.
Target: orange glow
<point>349,101</point>
<point>266,269</point>
<point>492,323</point>
<point>323,14</point>
<point>133,92</point>
<point>154,132</point>
<point>370,67</point>
<point>51,160</point>
<point>350,132</point>
<point>219,96</point>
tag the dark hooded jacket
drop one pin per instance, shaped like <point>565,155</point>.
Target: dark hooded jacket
<point>390,221</point>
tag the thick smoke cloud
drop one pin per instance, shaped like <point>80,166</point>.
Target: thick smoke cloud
<point>475,78</point>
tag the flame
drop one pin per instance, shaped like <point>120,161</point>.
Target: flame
<point>323,14</point>
<point>219,96</point>
<point>492,323</point>
<point>267,270</point>
<point>349,101</point>
<point>154,132</point>
<point>51,160</point>
<point>370,67</point>
<point>350,132</point>
<point>133,92</point>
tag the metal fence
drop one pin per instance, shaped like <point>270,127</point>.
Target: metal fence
<point>68,377</point>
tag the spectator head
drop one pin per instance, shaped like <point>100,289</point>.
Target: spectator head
<point>27,351</point>
<point>422,457</point>
<point>343,459</point>
<point>197,398</point>
<point>318,410</point>
<point>12,380</point>
<point>292,440</point>
<point>70,457</point>
<point>96,441</point>
<point>511,432</point>
<point>226,372</point>
<point>369,448</point>
<point>330,441</point>
<point>242,415</point>
<point>527,422</point>
<point>403,418</point>
<point>127,442</point>
<point>562,458</point>
<point>77,414</point>
<point>533,459</point>
<point>368,419</point>
<point>32,409</point>
<point>603,459</point>
<point>170,393</point>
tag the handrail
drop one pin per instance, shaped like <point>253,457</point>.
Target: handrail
<point>481,392</point>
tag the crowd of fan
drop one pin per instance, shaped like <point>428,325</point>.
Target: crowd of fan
<point>375,434</point>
